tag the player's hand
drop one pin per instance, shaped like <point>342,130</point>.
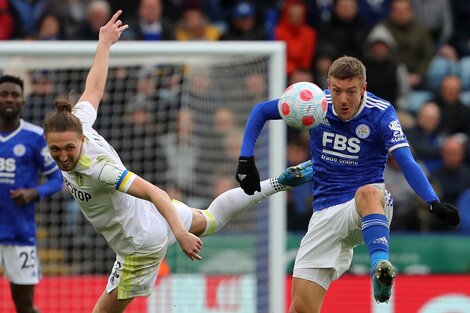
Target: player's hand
<point>24,196</point>
<point>247,175</point>
<point>190,244</point>
<point>446,212</point>
<point>111,32</point>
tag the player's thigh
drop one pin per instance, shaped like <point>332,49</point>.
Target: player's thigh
<point>108,302</point>
<point>355,221</point>
<point>134,275</point>
<point>22,295</point>
<point>21,264</point>
<point>307,296</point>
<point>321,246</point>
<point>199,222</point>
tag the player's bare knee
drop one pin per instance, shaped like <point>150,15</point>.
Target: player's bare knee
<point>369,200</point>
<point>198,224</point>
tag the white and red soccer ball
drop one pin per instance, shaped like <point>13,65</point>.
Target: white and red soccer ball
<point>303,105</point>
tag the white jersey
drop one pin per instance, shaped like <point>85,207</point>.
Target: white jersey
<point>99,183</point>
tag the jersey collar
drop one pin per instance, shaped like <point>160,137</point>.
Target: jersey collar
<point>12,134</point>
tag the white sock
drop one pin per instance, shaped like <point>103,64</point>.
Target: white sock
<point>234,201</point>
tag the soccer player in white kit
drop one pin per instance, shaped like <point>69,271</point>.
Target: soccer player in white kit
<point>137,219</point>
<point>351,206</point>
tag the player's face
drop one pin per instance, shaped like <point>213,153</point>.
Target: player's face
<point>346,95</point>
<point>65,148</point>
<point>11,101</point>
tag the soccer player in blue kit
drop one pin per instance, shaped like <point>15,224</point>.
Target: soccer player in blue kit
<point>23,154</point>
<point>349,150</point>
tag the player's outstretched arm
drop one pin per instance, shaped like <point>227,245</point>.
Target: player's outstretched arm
<point>53,184</point>
<point>96,78</point>
<point>234,202</point>
<point>247,174</point>
<point>189,243</point>
<point>420,184</point>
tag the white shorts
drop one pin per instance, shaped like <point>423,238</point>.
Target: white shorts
<point>135,274</point>
<point>331,236</point>
<point>21,264</point>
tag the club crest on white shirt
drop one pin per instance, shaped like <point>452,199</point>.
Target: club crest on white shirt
<point>79,179</point>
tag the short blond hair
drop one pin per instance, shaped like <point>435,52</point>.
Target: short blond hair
<point>347,67</point>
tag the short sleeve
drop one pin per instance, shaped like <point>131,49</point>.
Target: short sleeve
<point>121,178</point>
<point>392,133</point>
<point>85,112</point>
<point>48,164</point>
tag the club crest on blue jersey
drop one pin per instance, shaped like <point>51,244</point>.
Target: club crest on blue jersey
<point>19,150</point>
<point>362,131</point>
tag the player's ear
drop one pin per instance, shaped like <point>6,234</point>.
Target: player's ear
<point>82,138</point>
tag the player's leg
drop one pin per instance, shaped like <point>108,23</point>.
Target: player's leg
<point>321,257</point>
<point>235,201</point>
<point>132,276</point>
<point>108,303</point>
<point>307,296</point>
<point>23,296</point>
<point>22,269</point>
<point>370,205</point>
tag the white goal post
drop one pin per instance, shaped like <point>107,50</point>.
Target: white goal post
<point>225,63</point>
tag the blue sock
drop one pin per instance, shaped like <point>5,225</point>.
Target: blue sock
<point>376,235</point>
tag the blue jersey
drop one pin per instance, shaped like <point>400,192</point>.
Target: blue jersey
<point>23,157</point>
<point>349,154</point>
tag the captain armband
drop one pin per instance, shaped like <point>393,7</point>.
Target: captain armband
<point>121,178</point>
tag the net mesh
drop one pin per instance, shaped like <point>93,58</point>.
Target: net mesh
<point>177,122</point>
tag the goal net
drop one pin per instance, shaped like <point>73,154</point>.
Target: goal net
<point>175,113</point>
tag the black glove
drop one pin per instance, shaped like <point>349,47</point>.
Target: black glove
<point>247,175</point>
<point>446,212</point>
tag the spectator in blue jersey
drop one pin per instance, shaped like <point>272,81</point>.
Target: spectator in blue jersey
<point>150,24</point>
<point>373,11</point>
<point>23,154</point>
<point>245,24</point>
<point>349,150</point>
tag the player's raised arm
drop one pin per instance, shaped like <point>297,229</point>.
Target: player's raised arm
<point>96,78</point>
<point>247,174</point>
<point>189,243</point>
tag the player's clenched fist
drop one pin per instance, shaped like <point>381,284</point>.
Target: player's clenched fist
<point>446,212</point>
<point>247,175</point>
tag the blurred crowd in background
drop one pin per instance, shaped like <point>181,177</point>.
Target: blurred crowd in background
<point>417,54</point>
